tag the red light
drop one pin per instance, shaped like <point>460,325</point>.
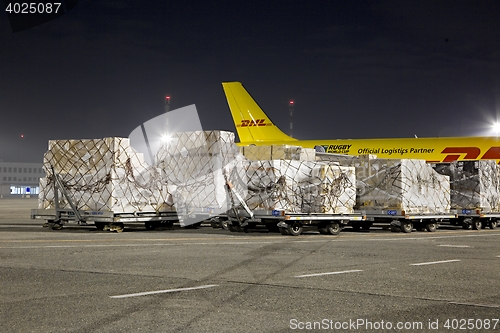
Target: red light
<point>168,97</point>
<point>291,102</point>
<point>22,136</point>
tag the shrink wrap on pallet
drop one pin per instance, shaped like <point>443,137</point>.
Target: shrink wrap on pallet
<point>278,152</point>
<point>103,174</point>
<point>198,165</point>
<point>300,186</point>
<point>474,184</point>
<point>391,184</point>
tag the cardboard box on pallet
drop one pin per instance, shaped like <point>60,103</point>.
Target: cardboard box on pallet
<point>474,184</point>
<point>198,165</point>
<point>399,184</point>
<point>103,174</point>
<point>300,186</point>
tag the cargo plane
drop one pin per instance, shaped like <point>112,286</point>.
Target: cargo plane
<point>255,128</point>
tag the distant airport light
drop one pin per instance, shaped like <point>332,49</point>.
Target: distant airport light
<point>167,97</point>
<point>291,102</point>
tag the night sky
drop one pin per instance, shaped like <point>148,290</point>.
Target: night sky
<point>355,69</point>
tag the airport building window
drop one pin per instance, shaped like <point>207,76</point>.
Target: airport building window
<point>29,170</point>
<point>24,170</point>
<point>15,179</point>
<point>24,190</point>
<point>24,179</point>
<point>4,169</point>
<point>15,170</point>
<point>10,179</point>
<point>10,169</point>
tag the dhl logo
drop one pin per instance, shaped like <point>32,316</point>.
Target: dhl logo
<point>471,153</point>
<point>250,123</point>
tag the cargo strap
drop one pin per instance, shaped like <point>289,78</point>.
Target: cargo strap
<point>58,184</point>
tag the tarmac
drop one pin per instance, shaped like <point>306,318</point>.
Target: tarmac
<point>79,279</point>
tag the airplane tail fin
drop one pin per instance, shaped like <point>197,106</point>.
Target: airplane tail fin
<point>251,123</point>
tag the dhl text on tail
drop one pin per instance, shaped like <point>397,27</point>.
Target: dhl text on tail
<point>255,128</point>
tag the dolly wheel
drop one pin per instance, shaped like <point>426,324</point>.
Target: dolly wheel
<point>406,227</point>
<point>334,228</point>
<point>294,228</point>
<point>476,224</point>
<point>431,227</point>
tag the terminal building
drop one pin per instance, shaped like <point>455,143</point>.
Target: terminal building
<point>20,179</point>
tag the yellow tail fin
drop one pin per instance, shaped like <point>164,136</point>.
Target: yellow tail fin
<point>251,123</point>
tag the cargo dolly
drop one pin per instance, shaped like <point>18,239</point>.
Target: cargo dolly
<point>111,220</point>
<point>401,221</point>
<point>103,220</point>
<point>288,223</point>
<point>241,218</point>
<point>115,221</point>
<point>476,219</point>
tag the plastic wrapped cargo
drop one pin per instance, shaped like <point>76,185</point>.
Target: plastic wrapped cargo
<point>198,165</point>
<point>102,174</point>
<point>300,186</point>
<point>410,185</point>
<point>474,184</point>
<point>278,152</point>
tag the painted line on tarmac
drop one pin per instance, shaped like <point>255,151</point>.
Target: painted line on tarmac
<point>435,262</point>
<point>227,239</point>
<point>164,291</point>
<point>216,241</point>
<point>476,304</point>
<point>329,273</point>
<point>449,245</point>
<point>80,246</point>
<point>457,235</point>
<point>139,245</point>
<point>19,225</point>
<point>116,240</point>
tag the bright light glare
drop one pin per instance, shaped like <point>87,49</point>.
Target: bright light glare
<point>496,128</point>
<point>166,138</point>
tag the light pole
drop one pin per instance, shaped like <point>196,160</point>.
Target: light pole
<point>167,103</point>
<point>167,108</point>
<point>290,107</point>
